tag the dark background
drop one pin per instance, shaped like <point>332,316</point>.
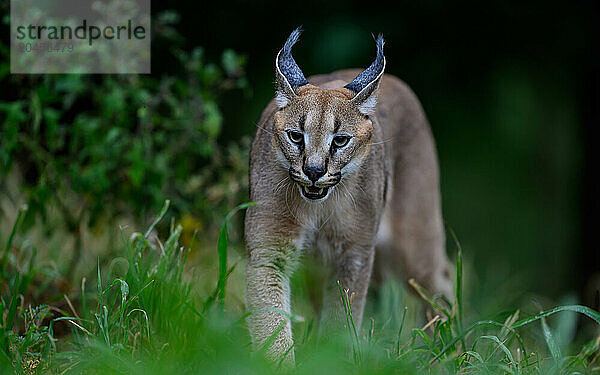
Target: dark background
<point>510,89</point>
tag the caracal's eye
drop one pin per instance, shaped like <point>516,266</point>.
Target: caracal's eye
<point>296,137</point>
<point>340,140</point>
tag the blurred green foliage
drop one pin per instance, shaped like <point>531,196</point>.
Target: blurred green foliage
<point>98,146</point>
<point>140,314</point>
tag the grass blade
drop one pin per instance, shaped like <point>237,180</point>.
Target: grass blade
<point>222,250</point>
<point>458,292</point>
<point>576,308</point>
<point>12,310</point>
<point>400,330</point>
<point>551,342</point>
<point>20,216</point>
<point>424,294</point>
<point>162,213</point>
<point>350,321</point>
<point>500,344</point>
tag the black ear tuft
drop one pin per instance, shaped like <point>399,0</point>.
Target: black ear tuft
<point>289,75</point>
<point>372,72</point>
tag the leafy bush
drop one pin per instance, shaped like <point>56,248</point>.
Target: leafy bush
<point>98,146</point>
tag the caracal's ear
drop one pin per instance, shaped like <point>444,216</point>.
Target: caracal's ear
<point>365,84</point>
<point>288,73</point>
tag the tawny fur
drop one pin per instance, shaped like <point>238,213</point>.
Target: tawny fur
<point>388,195</point>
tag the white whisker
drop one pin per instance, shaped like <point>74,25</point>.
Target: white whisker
<point>363,190</point>
<point>280,184</point>
<point>327,219</point>
<point>349,193</point>
<point>265,129</point>
<point>287,204</point>
<point>382,142</point>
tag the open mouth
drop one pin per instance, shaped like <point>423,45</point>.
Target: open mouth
<point>313,192</point>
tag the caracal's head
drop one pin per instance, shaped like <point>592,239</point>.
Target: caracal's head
<point>322,135</point>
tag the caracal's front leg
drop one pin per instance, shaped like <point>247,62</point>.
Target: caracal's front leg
<point>268,271</point>
<point>352,269</point>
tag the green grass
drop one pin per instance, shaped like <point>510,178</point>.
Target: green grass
<point>146,315</point>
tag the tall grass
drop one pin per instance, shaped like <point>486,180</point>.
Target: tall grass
<point>145,316</point>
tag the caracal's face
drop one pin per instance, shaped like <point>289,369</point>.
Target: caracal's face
<point>322,138</point>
